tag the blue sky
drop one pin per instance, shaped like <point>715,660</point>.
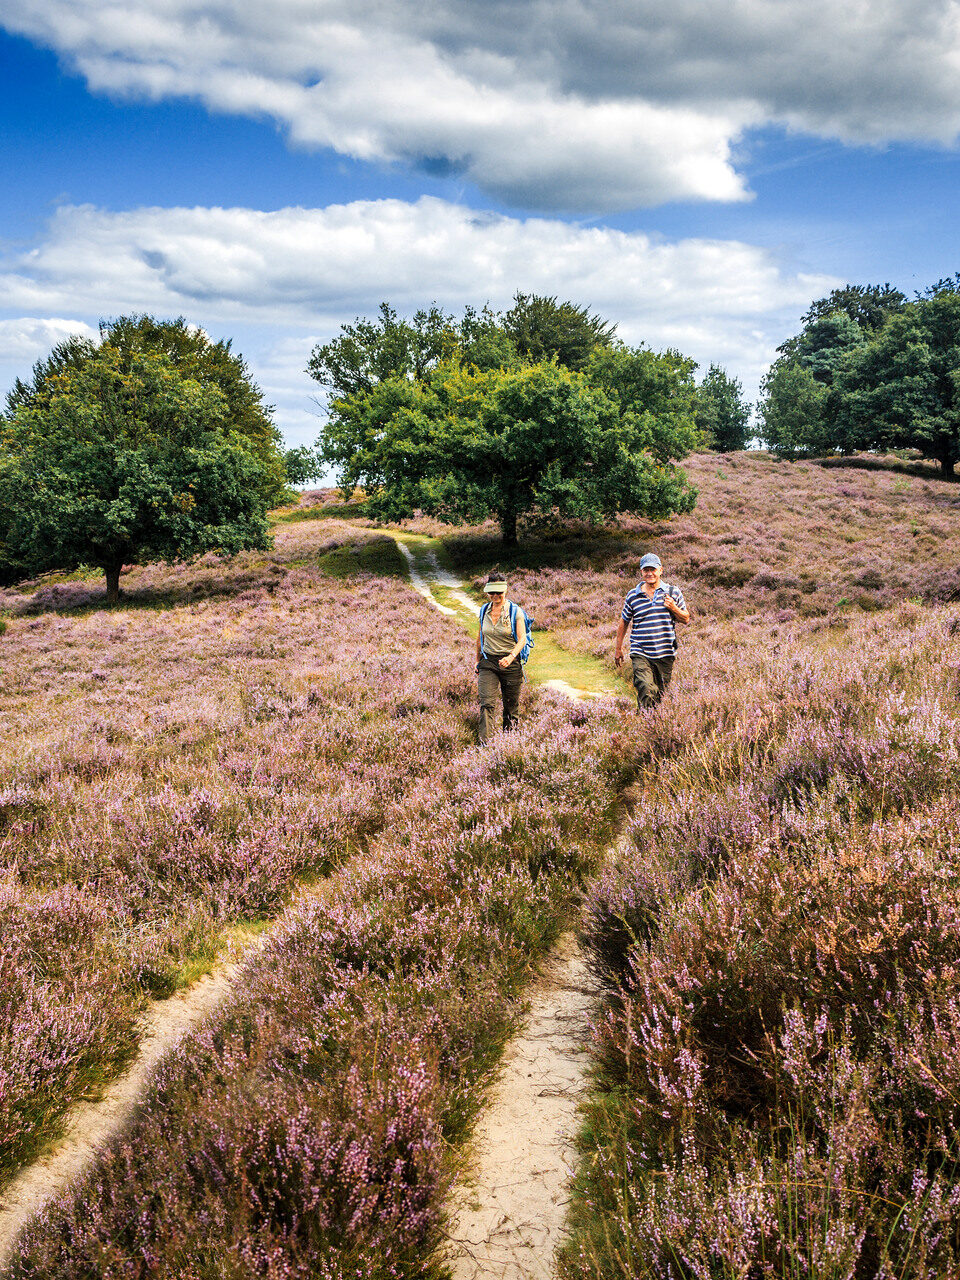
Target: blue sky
<point>698,176</point>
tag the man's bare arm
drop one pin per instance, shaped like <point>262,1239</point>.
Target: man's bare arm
<point>618,649</point>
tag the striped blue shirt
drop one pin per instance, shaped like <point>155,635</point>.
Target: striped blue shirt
<point>653,633</point>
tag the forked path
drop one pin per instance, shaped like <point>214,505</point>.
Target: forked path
<point>508,1220</point>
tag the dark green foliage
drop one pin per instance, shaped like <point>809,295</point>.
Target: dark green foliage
<point>722,415</point>
<point>302,465</point>
<point>868,305</point>
<point>151,446</point>
<point>464,444</point>
<point>542,328</point>
<point>902,390</point>
<point>807,407</point>
<point>193,354</point>
<point>826,342</point>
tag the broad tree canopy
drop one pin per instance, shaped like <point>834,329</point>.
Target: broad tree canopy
<point>468,444</point>
<point>117,454</point>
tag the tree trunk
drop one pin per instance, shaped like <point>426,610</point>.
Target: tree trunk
<point>112,574</point>
<point>946,466</point>
<point>508,528</point>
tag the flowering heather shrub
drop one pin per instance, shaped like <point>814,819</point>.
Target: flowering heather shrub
<point>766,537</point>
<point>211,577</point>
<point>65,1015</point>
<point>779,1062</point>
<point>167,773</point>
<point>304,1132</point>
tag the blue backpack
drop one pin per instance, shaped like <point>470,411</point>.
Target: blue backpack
<point>527,622</point>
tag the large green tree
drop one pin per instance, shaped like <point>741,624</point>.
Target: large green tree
<point>722,414</point>
<point>834,327</point>
<point>195,355</point>
<point>902,390</point>
<point>798,418</point>
<point>116,455</point>
<point>467,444</point>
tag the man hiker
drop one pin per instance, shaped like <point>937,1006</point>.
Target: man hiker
<point>652,610</point>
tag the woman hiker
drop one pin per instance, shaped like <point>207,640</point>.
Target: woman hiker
<point>651,610</point>
<point>498,658</point>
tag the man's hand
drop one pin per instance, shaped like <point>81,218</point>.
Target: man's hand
<point>674,609</point>
<point>618,659</point>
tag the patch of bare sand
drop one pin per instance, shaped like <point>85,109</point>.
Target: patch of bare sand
<point>569,690</point>
<point>91,1125</point>
<point>508,1219</point>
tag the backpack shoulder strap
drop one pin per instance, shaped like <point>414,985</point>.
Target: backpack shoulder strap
<point>483,614</point>
<point>513,617</point>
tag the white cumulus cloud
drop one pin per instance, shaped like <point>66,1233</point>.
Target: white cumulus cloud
<point>279,281</point>
<point>576,105</point>
<point>295,265</point>
<point>28,338</point>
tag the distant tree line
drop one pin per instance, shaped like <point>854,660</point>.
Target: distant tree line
<point>540,410</point>
<point>152,442</point>
<point>869,371</point>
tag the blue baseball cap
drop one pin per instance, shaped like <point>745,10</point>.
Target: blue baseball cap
<point>650,561</point>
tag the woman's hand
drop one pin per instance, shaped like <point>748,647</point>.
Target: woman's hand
<point>505,661</point>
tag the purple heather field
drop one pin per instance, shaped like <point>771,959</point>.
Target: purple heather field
<point>776,1088</point>
<point>174,767</point>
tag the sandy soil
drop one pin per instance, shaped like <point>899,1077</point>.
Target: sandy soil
<point>569,691</point>
<point>91,1125</point>
<point>507,1220</point>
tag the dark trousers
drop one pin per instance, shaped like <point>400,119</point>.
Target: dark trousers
<point>650,679</point>
<point>491,678</point>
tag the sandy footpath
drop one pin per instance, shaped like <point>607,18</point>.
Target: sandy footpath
<point>91,1125</point>
<point>507,1220</point>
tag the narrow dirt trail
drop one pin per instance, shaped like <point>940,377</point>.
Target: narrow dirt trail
<point>507,1219</point>
<point>507,1216</point>
<point>91,1125</point>
<point>574,675</point>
